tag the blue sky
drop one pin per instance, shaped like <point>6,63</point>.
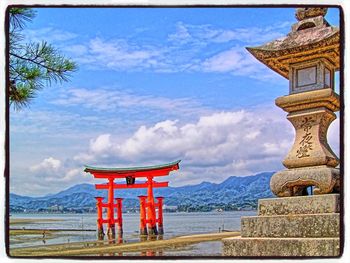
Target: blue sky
<point>155,85</point>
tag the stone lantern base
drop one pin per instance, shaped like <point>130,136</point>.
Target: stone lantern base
<point>296,224</point>
<point>293,182</point>
<point>289,226</point>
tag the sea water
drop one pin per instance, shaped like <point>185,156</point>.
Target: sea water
<point>175,224</point>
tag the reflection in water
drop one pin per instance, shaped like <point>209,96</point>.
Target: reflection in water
<point>118,240</point>
<point>143,238</point>
<point>152,237</point>
<point>151,252</point>
<point>100,244</point>
<point>191,223</point>
<point>111,241</point>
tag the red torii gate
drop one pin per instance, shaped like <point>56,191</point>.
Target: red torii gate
<point>148,216</point>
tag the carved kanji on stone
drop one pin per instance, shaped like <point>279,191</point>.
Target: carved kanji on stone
<point>308,56</point>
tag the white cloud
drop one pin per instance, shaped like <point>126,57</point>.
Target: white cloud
<point>104,99</point>
<point>238,61</point>
<point>248,35</point>
<point>333,136</point>
<point>83,157</point>
<point>48,34</point>
<point>34,122</point>
<point>71,175</point>
<point>224,62</point>
<point>121,55</point>
<point>100,144</point>
<point>186,33</point>
<point>116,54</point>
<point>77,50</point>
<point>181,35</point>
<point>187,49</point>
<point>49,176</point>
<point>47,165</point>
<point>212,148</point>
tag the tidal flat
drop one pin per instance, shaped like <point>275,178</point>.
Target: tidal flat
<point>109,248</point>
<point>60,235</point>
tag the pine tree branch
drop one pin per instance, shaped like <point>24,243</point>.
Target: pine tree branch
<point>31,64</point>
<point>35,62</point>
<point>18,73</point>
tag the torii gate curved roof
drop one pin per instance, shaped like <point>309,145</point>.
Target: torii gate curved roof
<point>138,171</point>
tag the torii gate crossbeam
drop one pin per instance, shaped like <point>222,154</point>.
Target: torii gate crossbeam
<point>148,215</point>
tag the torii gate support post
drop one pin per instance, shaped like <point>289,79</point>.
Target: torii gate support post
<point>143,227</point>
<point>120,216</point>
<point>100,232</point>
<point>160,215</point>
<point>151,211</point>
<point>110,210</point>
<point>149,218</point>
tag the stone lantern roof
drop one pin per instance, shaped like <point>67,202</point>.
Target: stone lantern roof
<point>311,37</point>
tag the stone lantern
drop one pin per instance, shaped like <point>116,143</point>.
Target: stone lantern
<point>308,57</point>
<point>295,224</point>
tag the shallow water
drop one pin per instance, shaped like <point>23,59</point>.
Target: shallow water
<point>175,224</point>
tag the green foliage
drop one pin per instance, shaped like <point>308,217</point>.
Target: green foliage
<point>32,65</point>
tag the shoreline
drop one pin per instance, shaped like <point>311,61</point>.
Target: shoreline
<point>99,248</point>
<point>11,214</point>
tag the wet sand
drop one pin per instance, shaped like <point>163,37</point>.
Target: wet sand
<point>21,221</point>
<point>104,248</point>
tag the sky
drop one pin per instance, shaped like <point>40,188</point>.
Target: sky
<point>155,85</point>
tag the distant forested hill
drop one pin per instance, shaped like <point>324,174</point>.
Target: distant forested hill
<point>232,194</point>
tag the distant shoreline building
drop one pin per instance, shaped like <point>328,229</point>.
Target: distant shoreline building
<point>170,208</point>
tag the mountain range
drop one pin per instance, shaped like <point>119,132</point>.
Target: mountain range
<point>235,192</point>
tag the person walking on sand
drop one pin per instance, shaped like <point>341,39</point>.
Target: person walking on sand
<point>44,234</point>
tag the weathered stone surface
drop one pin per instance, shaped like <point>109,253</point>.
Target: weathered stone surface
<point>310,76</point>
<point>292,182</point>
<point>307,247</point>
<point>311,38</point>
<point>304,13</point>
<point>311,160</point>
<point>312,204</point>
<point>308,56</point>
<point>310,147</point>
<point>308,100</point>
<point>320,225</point>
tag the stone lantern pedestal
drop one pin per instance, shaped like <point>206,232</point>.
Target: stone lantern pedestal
<point>295,223</point>
<point>289,226</point>
<point>311,161</point>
